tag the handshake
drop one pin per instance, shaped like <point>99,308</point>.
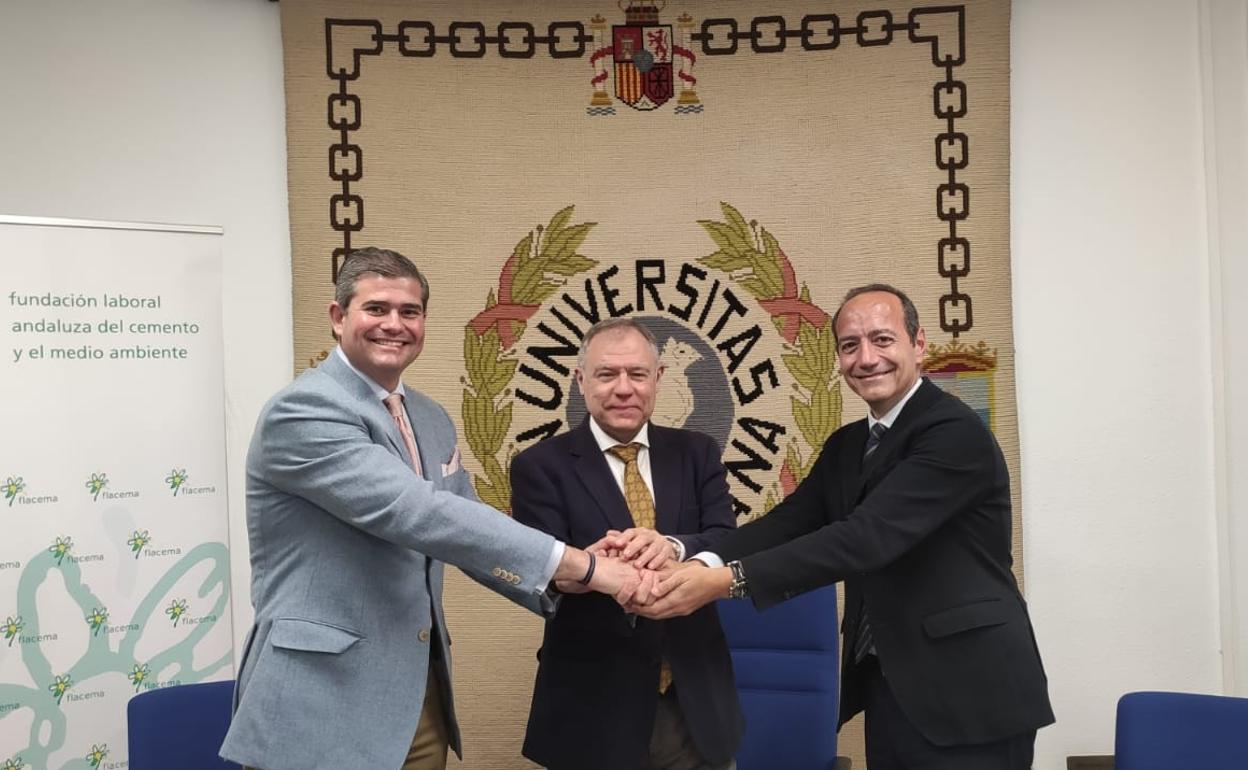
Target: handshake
<point>639,568</point>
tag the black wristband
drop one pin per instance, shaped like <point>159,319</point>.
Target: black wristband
<point>589,573</point>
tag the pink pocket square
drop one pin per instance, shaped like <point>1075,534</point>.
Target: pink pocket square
<point>452,465</point>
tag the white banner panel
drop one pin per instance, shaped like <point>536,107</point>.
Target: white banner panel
<point>114,566</point>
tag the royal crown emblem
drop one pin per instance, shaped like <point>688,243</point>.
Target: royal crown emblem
<point>647,59</point>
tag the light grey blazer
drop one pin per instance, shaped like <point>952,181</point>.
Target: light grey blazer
<point>347,545</point>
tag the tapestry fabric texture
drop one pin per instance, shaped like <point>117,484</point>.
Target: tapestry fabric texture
<point>724,170</point>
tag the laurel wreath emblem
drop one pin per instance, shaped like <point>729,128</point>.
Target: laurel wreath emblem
<point>539,265</point>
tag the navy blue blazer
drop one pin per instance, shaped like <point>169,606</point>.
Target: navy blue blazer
<point>596,691</point>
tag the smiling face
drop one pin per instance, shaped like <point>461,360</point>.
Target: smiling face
<point>382,329</point>
<point>619,380</point>
<point>878,359</point>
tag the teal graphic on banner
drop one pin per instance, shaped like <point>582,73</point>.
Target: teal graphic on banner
<point>106,654</point>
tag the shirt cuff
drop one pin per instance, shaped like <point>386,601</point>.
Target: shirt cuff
<point>552,564</point>
<point>709,559</point>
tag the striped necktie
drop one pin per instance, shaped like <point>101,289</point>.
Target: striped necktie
<point>865,643</point>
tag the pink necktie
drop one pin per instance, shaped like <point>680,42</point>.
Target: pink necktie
<point>394,402</point>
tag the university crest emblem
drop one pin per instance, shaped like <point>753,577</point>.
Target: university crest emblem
<point>749,357</point>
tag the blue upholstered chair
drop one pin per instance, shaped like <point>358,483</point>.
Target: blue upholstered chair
<point>1171,730</point>
<point>787,669</point>
<point>180,726</point>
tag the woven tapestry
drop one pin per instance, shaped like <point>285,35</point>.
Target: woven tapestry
<point>724,170</point>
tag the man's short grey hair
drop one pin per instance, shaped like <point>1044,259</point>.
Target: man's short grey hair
<point>382,262</point>
<point>622,323</point>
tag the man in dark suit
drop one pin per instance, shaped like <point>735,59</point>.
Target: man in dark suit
<point>911,508</point>
<point>615,692</point>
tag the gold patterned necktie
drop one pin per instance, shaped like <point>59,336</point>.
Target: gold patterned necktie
<point>641,507</point>
<point>394,403</point>
<point>636,493</point>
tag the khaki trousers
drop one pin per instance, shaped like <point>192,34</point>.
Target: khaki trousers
<point>428,751</point>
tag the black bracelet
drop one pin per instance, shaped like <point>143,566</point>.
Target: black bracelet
<point>589,573</point>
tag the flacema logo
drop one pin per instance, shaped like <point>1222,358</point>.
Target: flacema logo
<point>61,548</point>
<point>138,539</point>
<point>96,484</point>
<point>60,686</point>
<point>97,619</point>
<point>176,478</point>
<point>97,754</point>
<point>139,674</point>
<point>176,609</point>
<point>13,626</point>
<point>14,763</point>
<point>99,486</point>
<point>12,488</point>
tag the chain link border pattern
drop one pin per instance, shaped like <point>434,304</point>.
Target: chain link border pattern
<point>348,41</point>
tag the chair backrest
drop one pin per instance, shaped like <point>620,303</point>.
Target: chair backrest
<point>1156,730</point>
<point>181,726</point>
<point>787,667</point>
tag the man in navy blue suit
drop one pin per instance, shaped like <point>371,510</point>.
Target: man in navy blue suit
<point>613,691</point>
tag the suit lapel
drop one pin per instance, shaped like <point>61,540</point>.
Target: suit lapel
<point>665,473</point>
<point>923,398</point>
<point>425,448</point>
<point>595,474</point>
<point>371,408</point>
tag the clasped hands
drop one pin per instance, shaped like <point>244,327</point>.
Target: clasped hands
<point>652,582</point>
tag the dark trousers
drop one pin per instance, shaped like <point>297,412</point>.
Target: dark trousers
<point>893,743</point>
<point>671,745</point>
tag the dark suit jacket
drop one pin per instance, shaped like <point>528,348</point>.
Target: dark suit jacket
<point>597,680</point>
<point>921,531</point>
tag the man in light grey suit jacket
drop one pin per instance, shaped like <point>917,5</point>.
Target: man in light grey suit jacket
<point>349,652</point>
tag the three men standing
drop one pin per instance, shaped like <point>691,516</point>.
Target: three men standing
<point>351,514</point>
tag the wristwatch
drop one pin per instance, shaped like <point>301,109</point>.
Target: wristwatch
<point>739,588</point>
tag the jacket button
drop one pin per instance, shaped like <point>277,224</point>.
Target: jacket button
<point>423,635</point>
<point>497,572</point>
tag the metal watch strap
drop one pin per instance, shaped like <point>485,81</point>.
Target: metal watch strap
<point>740,587</point>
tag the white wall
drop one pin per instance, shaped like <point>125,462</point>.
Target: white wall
<point>165,111</point>
<point>1224,49</point>
<point>172,110</point>
<point>1112,328</point>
